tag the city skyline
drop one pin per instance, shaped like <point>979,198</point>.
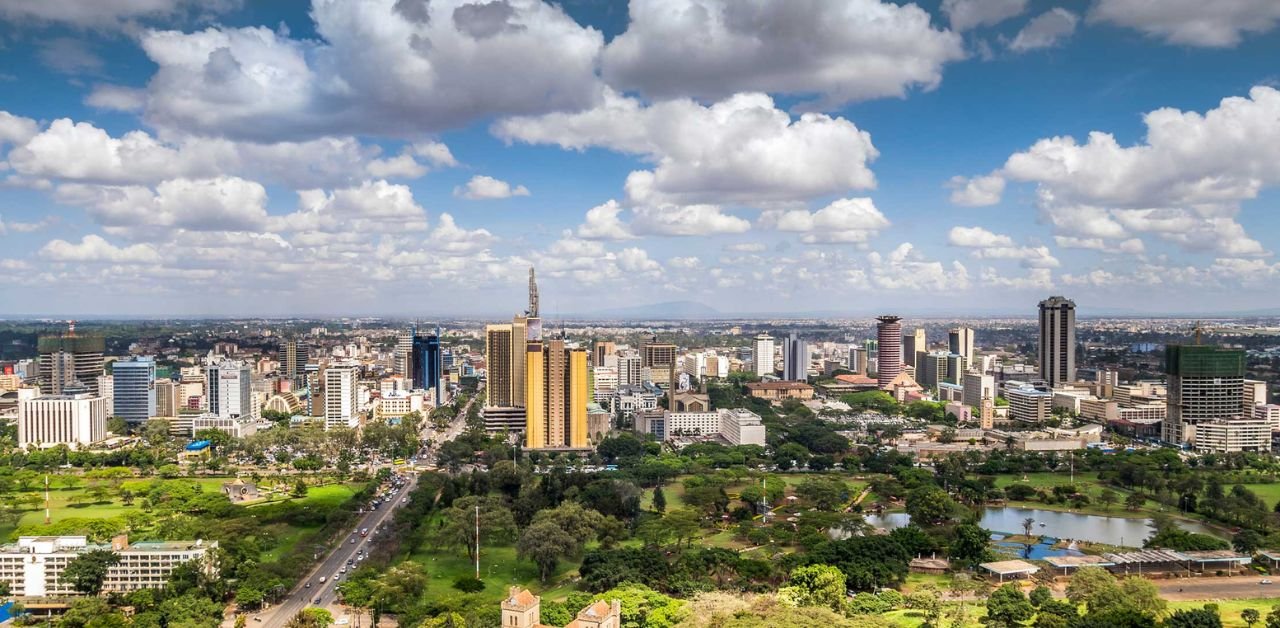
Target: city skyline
<point>177,159</point>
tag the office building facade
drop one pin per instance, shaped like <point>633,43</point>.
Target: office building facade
<point>426,365</point>
<point>795,358</point>
<point>134,389</point>
<point>228,389</point>
<point>960,342</point>
<point>293,357</point>
<point>1057,347</point>
<point>75,420</point>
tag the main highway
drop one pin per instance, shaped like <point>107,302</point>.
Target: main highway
<point>302,596</point>
<point>324,594</point>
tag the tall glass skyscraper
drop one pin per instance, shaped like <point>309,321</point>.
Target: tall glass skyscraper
<point>428,364</point>
<point>134,388</point>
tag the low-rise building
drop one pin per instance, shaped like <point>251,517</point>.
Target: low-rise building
<point>522,609</point>
<point>33,566</point>
<point>1230,435</point>
<point>235,426</point>
<point>779,390</point>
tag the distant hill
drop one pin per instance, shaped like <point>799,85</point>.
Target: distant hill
<point>687,310</point>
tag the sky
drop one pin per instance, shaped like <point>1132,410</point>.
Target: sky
<point>416,157</point>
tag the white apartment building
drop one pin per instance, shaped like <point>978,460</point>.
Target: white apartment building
<point>629,373</point>
<point>33,566</point>
<point>1028,403</point>
<point>1269,413</point>
<point>605,380</point>
<point>762,354</point>
<point>1255,392</point>
<point>738,426</point>
<point>1229,435</point>
<point>76,420</point>
<point>341,397</point>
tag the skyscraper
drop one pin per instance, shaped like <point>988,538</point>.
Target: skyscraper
<point>228,389</point>
<point>1058,341</point>
<point>67,358</point>
<point>427,365</point>
<point>341,400</point>
<point>134,389</point>
<point>889,353</point>
<point>499,347</point>
<point>167,398</point>
<point>660,357</point>
<point>556,395</point>
<point>795,358</point>
<point>402,356</point>
<point>762,354</point>
<point>1206,383</point>
<point>960,342</point>
<point>293,356</point>
<point>913,346</point>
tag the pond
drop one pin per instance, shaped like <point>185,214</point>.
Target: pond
<point>1063,525</point>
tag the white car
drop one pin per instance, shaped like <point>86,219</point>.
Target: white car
<point>342,621</point>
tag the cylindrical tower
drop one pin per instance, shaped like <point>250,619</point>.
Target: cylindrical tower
<point>889,354</point>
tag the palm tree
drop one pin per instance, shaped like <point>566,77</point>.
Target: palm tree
<point>1027,524</point>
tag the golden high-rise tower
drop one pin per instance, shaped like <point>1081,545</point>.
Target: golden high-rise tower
<point>556,395</point>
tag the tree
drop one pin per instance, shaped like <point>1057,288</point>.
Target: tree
<point>1194,618</point>
<point>814,585</point>
<point>459,524</point>
<point>311,617</point>
<point>1273,617</point>
<point>87,571</point>
<point>684,524</point>
<point>1027,525</point>
<point>970,546</point>
<point>926,600</point>
<point>1108,498</point>
<point>1040,595</point>
<point>545,543</point>
<point>824,493</point>
<point>1007,606</point>
<point>1250,616</point>
<point>1247,541</point>
<point>1091,585</point>
<point>659,500</point>
<point>93,612</point>
<point>930,506</point>
<point>1134,501</point>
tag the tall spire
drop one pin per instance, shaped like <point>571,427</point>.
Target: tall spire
<point>533,295</point>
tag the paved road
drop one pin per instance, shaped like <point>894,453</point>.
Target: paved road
<point>1231,588</point>
<point>301,596</point>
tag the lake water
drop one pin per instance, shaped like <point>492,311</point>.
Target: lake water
<point>1063,525</point>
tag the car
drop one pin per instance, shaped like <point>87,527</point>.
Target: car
<point>317,600</point>
<point>256,618</point>
<point>321,579</point>
<point>342,621</point>
<point>1265,581</point>
<point>308,585</point>
<point>353,541</point>
<point>343,570</point>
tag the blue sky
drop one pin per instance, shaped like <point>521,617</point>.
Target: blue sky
<point>410,157</point>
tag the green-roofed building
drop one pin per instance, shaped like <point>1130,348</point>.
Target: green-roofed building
<point>1206,383</point>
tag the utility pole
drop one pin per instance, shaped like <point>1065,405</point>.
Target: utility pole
<point>46,482</point>
<point>477,541</point>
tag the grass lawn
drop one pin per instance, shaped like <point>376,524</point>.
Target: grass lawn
<point>1047,479</point>
<point>499,569</point>
<point>1270,493</point>
<point>1228,609</point>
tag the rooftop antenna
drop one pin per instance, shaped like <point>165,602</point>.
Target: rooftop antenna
<point>532,312</point>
